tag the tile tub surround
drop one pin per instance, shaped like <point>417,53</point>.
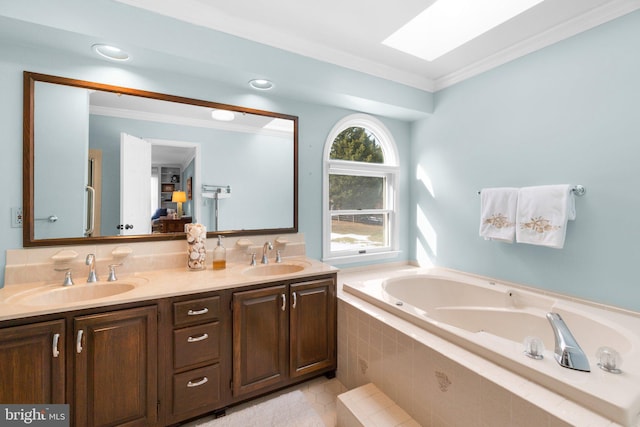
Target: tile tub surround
<point>35,264</point>
<point>437,382</point>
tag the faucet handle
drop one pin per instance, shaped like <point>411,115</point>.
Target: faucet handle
<point>278,256</point>
<point>253,259</point>
<point>112,272</point>
<point>68,280</point>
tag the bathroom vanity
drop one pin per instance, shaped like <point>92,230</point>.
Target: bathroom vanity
<point>175,346</point>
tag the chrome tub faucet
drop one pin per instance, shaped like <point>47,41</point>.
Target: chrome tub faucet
<point>567,351</point>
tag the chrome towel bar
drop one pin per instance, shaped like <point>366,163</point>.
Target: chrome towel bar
<point>577,190</point>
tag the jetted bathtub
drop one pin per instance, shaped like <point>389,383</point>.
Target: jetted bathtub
<point>493,320</point>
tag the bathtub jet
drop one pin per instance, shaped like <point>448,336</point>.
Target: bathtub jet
<point>567,351</point>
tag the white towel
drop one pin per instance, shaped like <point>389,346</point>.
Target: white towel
<point>543,213</point>
<point>498,213</point>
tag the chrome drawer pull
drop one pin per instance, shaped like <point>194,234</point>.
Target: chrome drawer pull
<point>197,312</point>
<point>284,302</point>
<point>196,339</point>
<point>56,338</point>
<point>295,300</point>
<point>79,341</point>
<point>204,380</point>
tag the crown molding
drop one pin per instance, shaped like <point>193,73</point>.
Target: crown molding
<point>191,11</point>
<point>584,22</point>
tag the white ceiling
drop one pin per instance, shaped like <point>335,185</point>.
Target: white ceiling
<point>349,32</point>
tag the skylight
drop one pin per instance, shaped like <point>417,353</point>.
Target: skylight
<point>448,24</point>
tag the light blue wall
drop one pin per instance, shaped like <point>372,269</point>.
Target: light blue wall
<point>566,114</point>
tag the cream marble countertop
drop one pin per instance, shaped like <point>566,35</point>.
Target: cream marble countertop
<point>149,285</point>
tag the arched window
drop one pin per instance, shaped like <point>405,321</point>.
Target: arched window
<point>359,191</point>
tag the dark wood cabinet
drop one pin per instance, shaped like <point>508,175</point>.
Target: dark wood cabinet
<point>169,225</point>
<point>282,334</point>
<point>260,337</point>
<point>197,365</point>
<point>32,361</point>
<point>312,327</point>
<point>115,370</point>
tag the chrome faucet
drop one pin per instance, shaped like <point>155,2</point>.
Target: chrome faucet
<point>68,280</point>
<point>567,351</point>
<point>112,272</point>
<point>267,247</point>
<point>91,262</point>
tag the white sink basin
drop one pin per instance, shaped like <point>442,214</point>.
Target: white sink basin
<point>75,293</point>
<point>274,269</point>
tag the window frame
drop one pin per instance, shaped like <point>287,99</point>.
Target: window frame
<point>388,170</point>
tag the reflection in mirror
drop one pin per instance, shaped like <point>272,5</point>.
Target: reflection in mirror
<point>112,163</point>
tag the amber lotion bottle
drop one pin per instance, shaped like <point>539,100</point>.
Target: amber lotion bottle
<point>219,256</point>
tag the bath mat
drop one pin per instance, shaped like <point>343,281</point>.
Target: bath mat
<point>289,410</point>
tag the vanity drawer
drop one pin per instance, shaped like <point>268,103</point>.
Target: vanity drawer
<point>196,388</point>
<point>196,344</point>
<point>196,311</point>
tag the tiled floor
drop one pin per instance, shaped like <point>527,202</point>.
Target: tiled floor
<point>321,393</point>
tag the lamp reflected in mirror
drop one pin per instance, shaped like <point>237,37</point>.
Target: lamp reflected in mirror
<point>179,197</point>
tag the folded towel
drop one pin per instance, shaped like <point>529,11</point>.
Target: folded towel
<point>498,213</point>
<point>543,213</point>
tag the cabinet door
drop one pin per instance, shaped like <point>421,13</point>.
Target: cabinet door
<point>313,326</point>
<point>260,336</point>
<point>116,368</point>
<point>32,363</point>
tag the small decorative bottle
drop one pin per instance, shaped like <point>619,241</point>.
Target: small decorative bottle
<point>219,256</point>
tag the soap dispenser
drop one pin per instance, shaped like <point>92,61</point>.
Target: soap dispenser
<point>219,256</point>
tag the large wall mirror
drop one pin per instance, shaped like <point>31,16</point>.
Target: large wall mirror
<point>110,164</point>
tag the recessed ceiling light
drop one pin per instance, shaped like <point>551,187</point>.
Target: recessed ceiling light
<point>111,52</point>
<point>223,115</point>
<point>448,24</point>
<point>261,84</point>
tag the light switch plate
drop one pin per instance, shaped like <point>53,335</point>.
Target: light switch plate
<point>16,217</point>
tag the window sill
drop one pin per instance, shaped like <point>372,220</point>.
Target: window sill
<point>348,259</point>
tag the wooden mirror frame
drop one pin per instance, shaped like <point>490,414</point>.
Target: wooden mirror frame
<point>28,237</point>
